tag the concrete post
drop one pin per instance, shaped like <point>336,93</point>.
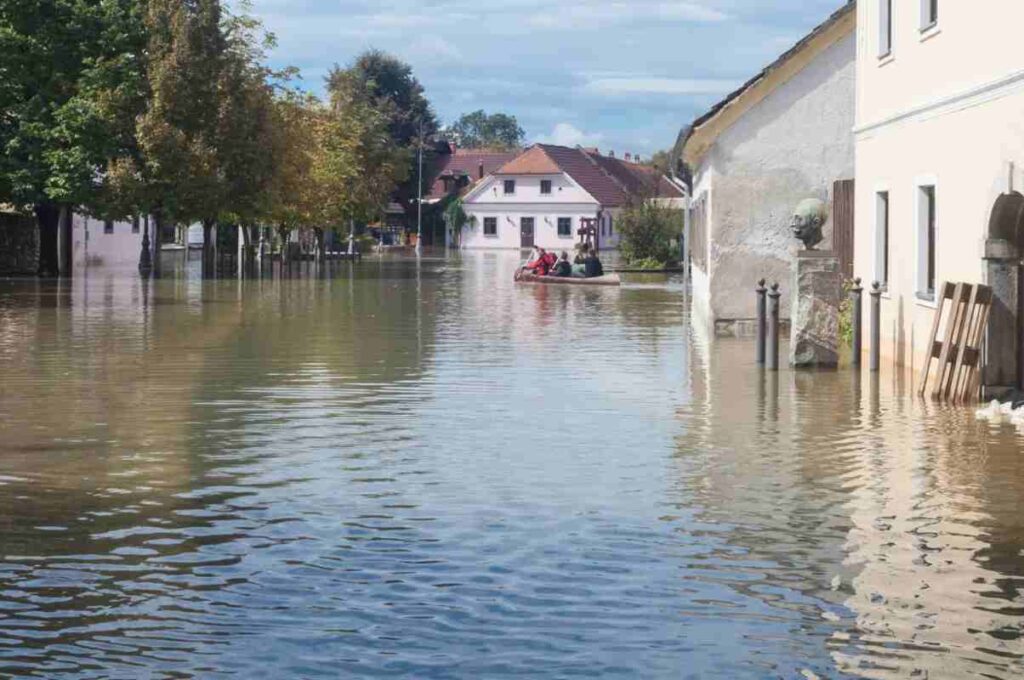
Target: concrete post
<point>762,320</point>
<point>856,300</point>
<point>773,328</point>
<point>876,327</point>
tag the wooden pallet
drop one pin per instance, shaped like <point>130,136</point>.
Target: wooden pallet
<point>959,351</point>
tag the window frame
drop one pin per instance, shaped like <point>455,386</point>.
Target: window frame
<point>883,236</point>
<point>546,183</point>
<point>886,35</point>
<point>509,186</point>
<point>929,15</point>
<point>108,226</point>
<point>926,219</point>
<point>558,227</point>
<point>494,221</point>
<point>136,224</point>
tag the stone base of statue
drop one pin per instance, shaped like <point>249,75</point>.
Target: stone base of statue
<point>814,333</point>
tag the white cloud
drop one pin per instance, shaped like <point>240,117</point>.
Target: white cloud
<point>629,85</point>
<point>578,14</point>
<point>567,134</point>
<point>434,48</point>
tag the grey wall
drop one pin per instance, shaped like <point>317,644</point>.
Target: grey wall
<point>792,145</point>
<point>19,245</point>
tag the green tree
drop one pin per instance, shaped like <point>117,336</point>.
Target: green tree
<point>482,130</point>
<point>387,84</point>
<point>66,66</point>
<point>648,233</point>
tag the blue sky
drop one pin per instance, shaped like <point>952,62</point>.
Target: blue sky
<point>623,75</point>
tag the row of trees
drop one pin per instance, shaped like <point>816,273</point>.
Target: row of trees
<point>167,108</point>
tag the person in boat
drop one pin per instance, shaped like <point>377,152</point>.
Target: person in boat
<point>542,264</point>
<point>562,268</point>
<point>592,266</point>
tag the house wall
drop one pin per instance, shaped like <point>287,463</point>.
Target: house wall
<point>945,108</point>
<point>91,246</point>
<point>791,145</point>
<point>545,225</point>
<point>567,199</point>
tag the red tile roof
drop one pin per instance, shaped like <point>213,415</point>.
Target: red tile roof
<point>534,161</point>
<point>465,162</point>
<point>638,179</point>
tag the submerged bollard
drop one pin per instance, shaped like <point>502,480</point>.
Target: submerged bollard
<point>856,297</point>
<point>773,328</point>
<point>762,321</point>
<point>876,325</point>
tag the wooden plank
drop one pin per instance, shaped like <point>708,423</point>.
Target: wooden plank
<point>843,224</point>
<point>970,314</point>
<point>936,349</point>
<point>974,384</point>
<point>950,337</point>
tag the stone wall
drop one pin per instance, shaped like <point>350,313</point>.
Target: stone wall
<point>19,245</point>
<point>792,145</point>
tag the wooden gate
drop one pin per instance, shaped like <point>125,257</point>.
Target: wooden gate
<point>843,224</point>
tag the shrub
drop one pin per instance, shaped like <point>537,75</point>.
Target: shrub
<point>648,232</point>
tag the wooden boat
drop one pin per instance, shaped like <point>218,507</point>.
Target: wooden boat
<point>606,280</point>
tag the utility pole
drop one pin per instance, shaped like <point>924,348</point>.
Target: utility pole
<point>419,197</point>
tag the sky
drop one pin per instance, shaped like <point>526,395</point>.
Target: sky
<point>621,75</point>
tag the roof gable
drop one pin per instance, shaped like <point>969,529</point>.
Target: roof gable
<point>533,161</point>
<point>705,130</point>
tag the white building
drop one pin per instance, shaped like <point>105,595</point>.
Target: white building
<point>940,141</point>
<point>784,136</point>
<point>97,242</point>
<point>543,196</point>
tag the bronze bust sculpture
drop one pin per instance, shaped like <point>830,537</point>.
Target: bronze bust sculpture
<point>808,219</point>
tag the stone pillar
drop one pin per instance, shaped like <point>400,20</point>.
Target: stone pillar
<point>818,287</point>
<point>1002,346</point>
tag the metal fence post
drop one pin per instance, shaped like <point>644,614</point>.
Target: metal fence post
<point>762,321</point>
<point>773,328</point>
<point>876,325</point>
<point>856,296</point>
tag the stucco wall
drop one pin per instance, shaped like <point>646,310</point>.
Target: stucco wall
<point>91,246</point>
<point>791,145</point>
<point>545,220</point>
<point>966,150</point>
<point>19,245</point>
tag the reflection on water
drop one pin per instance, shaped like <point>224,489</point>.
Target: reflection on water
<point>422,470</point>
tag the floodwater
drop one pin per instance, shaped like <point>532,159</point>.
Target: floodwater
<point>422,470</point>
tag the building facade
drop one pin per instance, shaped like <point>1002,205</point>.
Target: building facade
<point>784,136</point>
<point>544,197</point>
<point>940,152</point>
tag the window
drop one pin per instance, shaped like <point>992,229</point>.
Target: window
<point>929,14</point>
<point>884,28</point>
<point>926,242</point>
<point>490,226</point>
<point>510,186</point>
<point>545,186</point>
<point>882,238</point>
<point>565,226</point>
<point>611,225</point>
<point>135,224</point>
<point>108,226</point>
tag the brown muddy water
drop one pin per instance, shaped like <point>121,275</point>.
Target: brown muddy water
<point>419,469</point>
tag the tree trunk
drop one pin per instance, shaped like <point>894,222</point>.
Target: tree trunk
<point>319,247</point>
<point>158,230</point>
<point>208,249</point>
<point>48,218</point>
<point>65,240</point>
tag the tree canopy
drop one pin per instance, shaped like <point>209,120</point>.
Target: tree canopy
<point>481,130</point>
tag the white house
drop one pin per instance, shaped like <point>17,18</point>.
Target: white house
<point>106,242</point>
<point>543,196</point>
<point>940,152</point>
<point>785,135</point>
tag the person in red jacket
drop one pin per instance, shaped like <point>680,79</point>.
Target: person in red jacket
<point>543,263</point>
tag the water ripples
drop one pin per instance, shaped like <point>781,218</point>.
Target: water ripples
<point>421,470</point>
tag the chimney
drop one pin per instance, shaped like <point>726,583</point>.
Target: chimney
<point>611,154</point>
<point>629,157</point>
<point>636,158</point>
<point>480,171</point>
<point>453,147</point>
